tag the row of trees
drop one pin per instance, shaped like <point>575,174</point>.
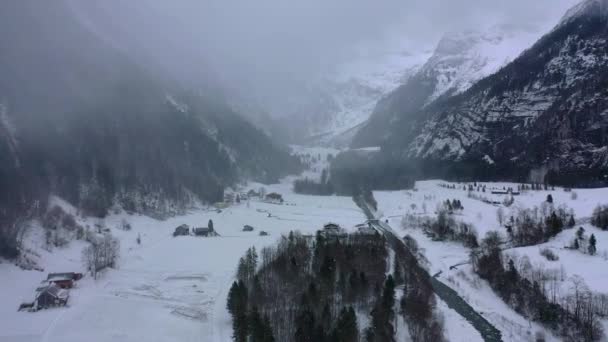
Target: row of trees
<point>581,243</point>
<point>310,289</point>
<point>532,226</point>
<point>248,325</point>
<point>308,186</point>
<point>599,218</point>
<point>444,226</point>
<point>574,318</point>
<point>103,252</point>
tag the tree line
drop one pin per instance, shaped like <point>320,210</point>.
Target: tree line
<point>574,318</point>
<point>314,288</point>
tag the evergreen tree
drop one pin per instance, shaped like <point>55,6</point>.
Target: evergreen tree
<point>237,306</point>
<point>512,274</point>
<point>580,232</point>
<point>592,242</point>
<point>268,334</point>
<point>571,222</point>
<point>576,245</point>
<point>383,313</point>
<point>257,328</point>
<point>242,271</point>
<point>233,298</point>
<point>305,326</point>
<point>346,329</point>
<point>549,198</point>
<point>210,225</point>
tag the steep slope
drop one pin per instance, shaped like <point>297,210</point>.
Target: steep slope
<point>547,109</point>
<point>329,109</point>
<point>96,127</point>
<point>356,87</point>
<point>458,61</point>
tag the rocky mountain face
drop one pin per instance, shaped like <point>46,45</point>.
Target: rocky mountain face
<point>458,61</point>
<point>546,111</point>
<point>86,121</point>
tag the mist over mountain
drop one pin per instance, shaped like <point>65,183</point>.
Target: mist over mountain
<point>543,112</point>
<point>85,119</point>
<point>458,61</point>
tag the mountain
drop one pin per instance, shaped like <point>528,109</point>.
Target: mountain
<point>84,119</point>
<point>459,60</point>
<point>330,108</point>
<point>355,88</point>
<point>544,115</point>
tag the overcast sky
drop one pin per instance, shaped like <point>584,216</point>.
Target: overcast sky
<point>296,39</point>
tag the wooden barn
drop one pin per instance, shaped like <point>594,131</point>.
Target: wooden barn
<point>204,231</point>
<point>50,296</point>
<point>274,198</point>
<point>61,280</point>
<point>182,230</point>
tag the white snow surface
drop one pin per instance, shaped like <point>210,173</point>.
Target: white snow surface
<point>167,288</point>
<point>356,86</point>
<point>440,255</point>
<point>461,59</point>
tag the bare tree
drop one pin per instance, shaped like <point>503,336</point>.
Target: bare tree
<point>102,253</point>
<point>500,215</point>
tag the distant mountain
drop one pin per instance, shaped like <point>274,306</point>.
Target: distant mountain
<point>458,61</point>
<point>89,122</point>
<point>330,109</point>
<point>545,114</point>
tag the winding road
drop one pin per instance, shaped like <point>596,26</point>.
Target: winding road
<point>488,332</point>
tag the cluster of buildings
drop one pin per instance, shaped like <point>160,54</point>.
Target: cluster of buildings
<point>184,230</point>
<point>53,292</point>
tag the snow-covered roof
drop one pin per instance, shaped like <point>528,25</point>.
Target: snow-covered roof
<point>54,291</point>
<point>60,277</point>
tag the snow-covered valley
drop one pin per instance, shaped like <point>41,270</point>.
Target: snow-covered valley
<point>168,288</point>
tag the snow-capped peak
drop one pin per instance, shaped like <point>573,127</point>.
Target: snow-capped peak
<point>461,59</point>
<point>586,7</point>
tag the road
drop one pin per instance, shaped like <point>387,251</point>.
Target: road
<point>488,332</point>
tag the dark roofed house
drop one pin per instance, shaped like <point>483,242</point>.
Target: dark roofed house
<point>333,231</point>
<point>73,275</point>
<point>49,296</point>
<point>275,197</point>
<point>182,230</point>
<point>62,280</point>
<point>204,231</point>
<point>366,230</point>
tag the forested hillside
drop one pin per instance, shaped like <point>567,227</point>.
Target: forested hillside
<point>84,121</point>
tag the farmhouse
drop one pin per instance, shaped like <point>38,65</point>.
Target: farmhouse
<point>49,296</point>
<point>366,230</point>
<point>505,192</point>
<point>229,197</point>
<point>182,230</point>
<point>61,280</point>
<point>274,198</point>
<point>205,231</point>
<point>333,231</point>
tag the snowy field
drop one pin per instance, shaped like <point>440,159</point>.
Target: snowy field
<point>175,288</point>
<point>167,288</point>
<point>440,255</point>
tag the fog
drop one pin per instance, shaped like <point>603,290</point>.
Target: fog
<point>270,44</point>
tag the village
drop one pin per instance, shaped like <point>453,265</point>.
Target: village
<point>54,291</point>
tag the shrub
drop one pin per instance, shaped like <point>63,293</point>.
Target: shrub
<point>549,254</point>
